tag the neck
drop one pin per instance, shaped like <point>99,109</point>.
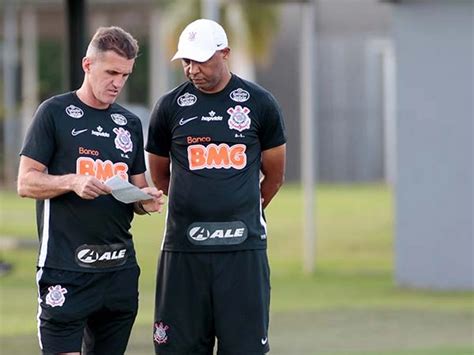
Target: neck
<point>221,84</point>
<point>85,94</point>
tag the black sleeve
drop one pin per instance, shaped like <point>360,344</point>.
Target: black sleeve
<point>272,132</point>
<point>159,133</point>
<point>40,141</point>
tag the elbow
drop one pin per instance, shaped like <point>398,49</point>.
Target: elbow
<point>279,179</point>
<point>22,188</point>
<point>282,180</point>
<point>274,180</point>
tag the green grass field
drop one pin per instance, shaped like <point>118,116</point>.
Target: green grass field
<point>350,305</point>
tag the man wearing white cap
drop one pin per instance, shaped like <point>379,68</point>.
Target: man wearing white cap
<point>224,138</point>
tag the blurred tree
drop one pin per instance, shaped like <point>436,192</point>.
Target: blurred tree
<point>138,83</point>
<point>51,68</point>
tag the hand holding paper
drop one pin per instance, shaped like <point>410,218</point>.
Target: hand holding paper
<point>126,192</point>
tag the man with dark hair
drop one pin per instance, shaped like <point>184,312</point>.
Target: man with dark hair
<point>87,270</point>
<point>224,138</point>
<point>114,39</point>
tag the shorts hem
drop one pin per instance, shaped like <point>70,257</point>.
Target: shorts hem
<point>204,251</point>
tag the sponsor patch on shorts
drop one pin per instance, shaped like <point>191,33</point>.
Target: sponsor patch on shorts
<point>217,233</point>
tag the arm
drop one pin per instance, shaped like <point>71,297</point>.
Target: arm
<point>273,170</point>
<point>35,182</point>
<point>152,205</point>
<point>160,171</point>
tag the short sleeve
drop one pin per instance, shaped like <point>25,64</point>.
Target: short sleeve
<point>272,133</point>
<point>159,134</point>
<point>40,139</point>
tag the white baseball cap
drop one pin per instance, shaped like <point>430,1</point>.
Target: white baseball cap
<point>200,40</point>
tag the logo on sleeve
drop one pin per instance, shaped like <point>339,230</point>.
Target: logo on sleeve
<point>187,99</point>
<point>239,95</point>
<point>123,140</point>
<point>55,296</point>
<point>119,119</point>
<point>74,111</point>
<point>239,118</point>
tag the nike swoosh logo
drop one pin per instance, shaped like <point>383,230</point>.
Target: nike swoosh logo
<point>264,340</point>
<point>183,121</point>
<point>76,133</point>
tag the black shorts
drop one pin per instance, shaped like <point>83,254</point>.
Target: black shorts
<point>204,296</point>
<point>96,310</point>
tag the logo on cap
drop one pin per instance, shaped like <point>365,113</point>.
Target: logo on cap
<point>192,36</point>
<point>200,40</point>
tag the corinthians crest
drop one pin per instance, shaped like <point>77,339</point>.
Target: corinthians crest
<point>239,118</point>
<point>159,335</point>
<point>55,296</point>
<point>123,140</point>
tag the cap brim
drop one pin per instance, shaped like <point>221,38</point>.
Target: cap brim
<point>196,55</point>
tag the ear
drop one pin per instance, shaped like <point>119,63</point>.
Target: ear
<point>226,53</point>
<point>86,64</point>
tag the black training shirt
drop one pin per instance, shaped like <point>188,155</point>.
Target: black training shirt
<point>215,142</point>
<point>70,137</point>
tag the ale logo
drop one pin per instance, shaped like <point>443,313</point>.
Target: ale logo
<point>100,256</point>
<point>217,233</point>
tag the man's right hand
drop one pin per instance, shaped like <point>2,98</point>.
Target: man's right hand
<point>89,187</point>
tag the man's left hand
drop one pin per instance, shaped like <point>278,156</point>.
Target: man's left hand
<point>156,203</point>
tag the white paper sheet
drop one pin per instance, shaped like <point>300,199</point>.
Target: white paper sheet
<point>125,192</point>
